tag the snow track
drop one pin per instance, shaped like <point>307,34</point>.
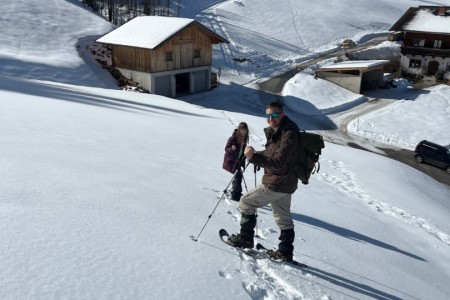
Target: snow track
<point>265,283</point>
<point>297,25</point>
<point>265,279</point>
<point>346,183</point>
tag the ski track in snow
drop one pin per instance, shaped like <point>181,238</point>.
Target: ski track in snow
<point>297,25</point>
<point>347,184</point>
<point>227,50</point>
<point>232,120</point>
<point>262,282</point>
<point>264,279</point>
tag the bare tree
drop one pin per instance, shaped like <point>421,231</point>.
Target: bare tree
<point>120,11</point>
<point>147,7</point>
<point>110,7</point>
<point>178,7</point>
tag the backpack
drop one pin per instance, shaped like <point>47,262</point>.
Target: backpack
<point>310,148</point>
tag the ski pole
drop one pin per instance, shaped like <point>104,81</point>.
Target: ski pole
<point>245,183</point>
<point>209,217</point>
<point>256,211</point>
<point>238,165</point>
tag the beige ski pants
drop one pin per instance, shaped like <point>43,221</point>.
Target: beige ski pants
<point>260,196</point>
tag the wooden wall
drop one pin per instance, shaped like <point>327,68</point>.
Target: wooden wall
<point>429,39</point>
<point>182,46</point>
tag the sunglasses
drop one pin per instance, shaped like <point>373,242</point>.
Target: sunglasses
<point>273,115</point>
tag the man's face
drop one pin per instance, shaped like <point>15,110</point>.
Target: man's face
<point>274,115</point>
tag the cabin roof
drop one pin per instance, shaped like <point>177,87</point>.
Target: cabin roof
<point>149,32</point>
<point>425,19</point>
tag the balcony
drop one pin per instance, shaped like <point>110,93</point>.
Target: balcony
<point>425,51</point>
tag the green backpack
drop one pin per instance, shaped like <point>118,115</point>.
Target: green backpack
<point>310,148</point>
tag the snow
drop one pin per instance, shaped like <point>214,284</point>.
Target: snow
<point>145,32</point>
<point>385,50</point>
<point>403,124</point>
<point>426,20</point>
<point>425,117</point>
<point>36,43</point>
<point>355,64</point>
<point>103,190</point>
<point>311,96</point>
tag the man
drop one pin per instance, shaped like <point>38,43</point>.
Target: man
<point>278,183</point>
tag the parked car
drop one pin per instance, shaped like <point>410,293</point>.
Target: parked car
<point>433,154</point>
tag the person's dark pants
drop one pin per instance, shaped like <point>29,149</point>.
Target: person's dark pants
<point>236,191</point>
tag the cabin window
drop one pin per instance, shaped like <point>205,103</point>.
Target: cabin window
<point>448,67</point>
<point>415,63</point>
<point>169,56</point>
<point>438,44</point>
<point>197,53</point>
<point>418,43</point>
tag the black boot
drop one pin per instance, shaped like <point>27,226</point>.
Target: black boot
<point>285,247</point>
<point>245,238</point>
<point>235,196</point>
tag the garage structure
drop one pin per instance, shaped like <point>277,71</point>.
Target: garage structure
<point>167,56</point>
<point>355,75</point>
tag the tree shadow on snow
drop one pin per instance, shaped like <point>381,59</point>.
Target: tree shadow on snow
<point>67,93</point>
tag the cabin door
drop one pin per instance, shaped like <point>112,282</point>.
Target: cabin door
<point>182,82</point>
<point>186,56</point>
<point>433,67</point>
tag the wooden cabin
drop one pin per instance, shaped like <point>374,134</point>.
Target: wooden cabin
<point>166,55</point>
<point>426,40</point>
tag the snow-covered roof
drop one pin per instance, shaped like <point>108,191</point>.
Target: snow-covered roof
<point>426,20</point>
<point>356,64</point>
<point>146,31</point>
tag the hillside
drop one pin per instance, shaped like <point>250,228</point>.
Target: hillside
<point>103,190</point>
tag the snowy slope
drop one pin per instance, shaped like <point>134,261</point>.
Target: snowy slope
<point>103,190</point>
<point>276,36</point>
<point>47,40</point>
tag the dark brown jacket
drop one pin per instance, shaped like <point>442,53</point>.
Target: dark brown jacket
<point>278,157</point>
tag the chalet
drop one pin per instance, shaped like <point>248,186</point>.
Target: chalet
<point>426,40</point>
<point>166,55</point>
<point>355,75</point>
